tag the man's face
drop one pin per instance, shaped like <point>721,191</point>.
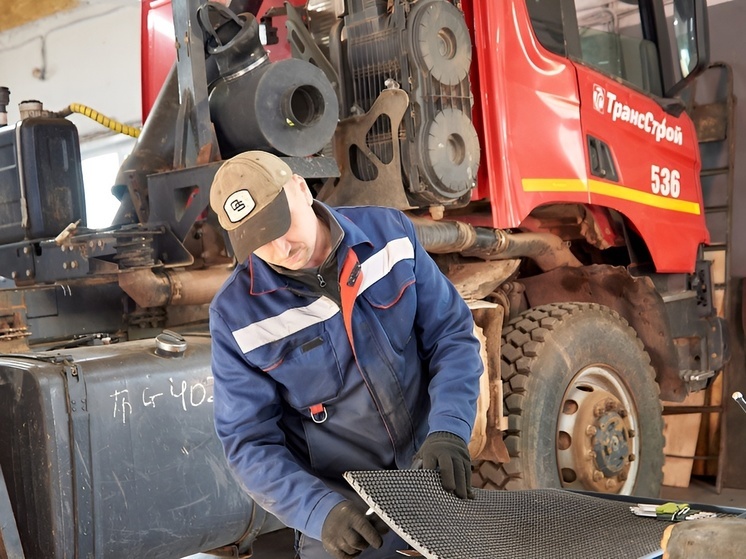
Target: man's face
<point>296,248</point>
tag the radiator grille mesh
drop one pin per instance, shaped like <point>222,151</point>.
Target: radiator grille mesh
<point>531,524</point>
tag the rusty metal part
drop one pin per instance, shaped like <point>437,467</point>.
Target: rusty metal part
<point>14,331</point>
<point>352,133</point>
<point>596,445</point>
<point>479,432</point>
<point>590,223</point>
<point>476,280</point>
<point>635,299</point>
<point>491,446</point>
<point>153,152</point>
<point>151,289</point>
<point>547,250</point>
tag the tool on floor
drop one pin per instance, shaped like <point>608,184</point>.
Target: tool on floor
<point>670,512</point>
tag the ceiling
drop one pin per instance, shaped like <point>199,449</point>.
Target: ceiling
<point>21,12</point>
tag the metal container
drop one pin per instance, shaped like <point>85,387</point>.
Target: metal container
<point>110,451</point>
<point>41,179</point>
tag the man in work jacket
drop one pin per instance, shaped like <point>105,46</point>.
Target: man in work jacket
<point>337,345</point>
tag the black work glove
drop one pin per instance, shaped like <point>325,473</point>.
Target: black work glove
<point>347,531</point>
<point>448,453</point>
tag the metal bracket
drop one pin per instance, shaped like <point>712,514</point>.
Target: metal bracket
<point>196,143</point>
<point>80,437</point>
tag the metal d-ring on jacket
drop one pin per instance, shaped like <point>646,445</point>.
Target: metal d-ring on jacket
<point>295,407</point>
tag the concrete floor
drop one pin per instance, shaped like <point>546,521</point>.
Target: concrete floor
<point>279,545</point>
<point>703,492</point>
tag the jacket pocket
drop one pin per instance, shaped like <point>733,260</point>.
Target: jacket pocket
<point>393,301</point>
<point>307,372</point>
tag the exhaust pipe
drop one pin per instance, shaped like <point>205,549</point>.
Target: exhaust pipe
<point>440,237</point>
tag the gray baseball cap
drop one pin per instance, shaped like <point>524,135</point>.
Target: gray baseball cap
<point>247,195</point>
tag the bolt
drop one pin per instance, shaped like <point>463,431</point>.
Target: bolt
<point>73,264</point>
<point>25,250</point>
<point>591,430</point>
<point>598,475</point>
<point>609,483</point>
<point>631,433</point>
<point>91,244</point>
<point>63,248</point>
<point>13,274</point>
<point>64,265</point>
<point>632,457</point>
<point>622,476</point>
<point>623,413</point>
<point>591,454</point>
<point>28,273</point>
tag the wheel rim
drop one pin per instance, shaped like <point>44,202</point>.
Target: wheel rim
<point>597,442</point>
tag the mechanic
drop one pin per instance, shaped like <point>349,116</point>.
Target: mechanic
<point>337,344</point>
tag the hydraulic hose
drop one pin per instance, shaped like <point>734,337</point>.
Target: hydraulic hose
<point>101,119</point>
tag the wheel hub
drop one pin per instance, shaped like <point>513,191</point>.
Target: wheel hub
<point>610,443</point>
<point>595,446</point>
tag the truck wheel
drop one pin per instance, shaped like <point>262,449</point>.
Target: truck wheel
<point>582,403</point>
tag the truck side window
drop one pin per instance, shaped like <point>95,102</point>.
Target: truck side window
<point>611,40</point>
<point>546,20</point>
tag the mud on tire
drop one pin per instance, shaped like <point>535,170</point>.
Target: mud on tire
<point>582,404</point>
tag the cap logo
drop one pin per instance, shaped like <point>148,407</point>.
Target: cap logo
<point>238,205</point>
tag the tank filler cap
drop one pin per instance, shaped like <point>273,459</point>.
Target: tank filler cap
<point>170,344</point>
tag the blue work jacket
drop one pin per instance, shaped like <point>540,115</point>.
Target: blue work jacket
<point>296,406</point>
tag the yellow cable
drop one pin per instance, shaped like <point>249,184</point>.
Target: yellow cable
<point>104,120</point>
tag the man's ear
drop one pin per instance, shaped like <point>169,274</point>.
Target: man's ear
<point>301,182</point>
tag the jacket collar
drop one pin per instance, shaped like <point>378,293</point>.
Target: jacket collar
<point>266,280</point>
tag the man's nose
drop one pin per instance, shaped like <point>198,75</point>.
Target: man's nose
<point>281,246</point>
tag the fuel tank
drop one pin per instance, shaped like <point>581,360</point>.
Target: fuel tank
<point>110,451</point>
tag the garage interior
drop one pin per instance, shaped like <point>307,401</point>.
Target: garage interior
<point>83,51</point>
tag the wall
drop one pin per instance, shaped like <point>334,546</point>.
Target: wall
<point>88,55</point>
<point>728,20</point>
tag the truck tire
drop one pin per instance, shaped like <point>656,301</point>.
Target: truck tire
<point>582,404</point>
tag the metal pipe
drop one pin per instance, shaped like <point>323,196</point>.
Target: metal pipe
<point>150,289</point>
<point>547,250</point>
<point>153,152</point>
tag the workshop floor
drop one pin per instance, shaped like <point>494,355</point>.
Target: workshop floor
<point>279,545</point>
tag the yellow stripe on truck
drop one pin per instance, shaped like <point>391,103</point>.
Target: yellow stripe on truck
<point>613,191</point>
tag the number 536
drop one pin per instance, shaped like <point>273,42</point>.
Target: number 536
<point>665,181</point>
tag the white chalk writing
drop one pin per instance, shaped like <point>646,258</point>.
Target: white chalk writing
<point>189,395</point>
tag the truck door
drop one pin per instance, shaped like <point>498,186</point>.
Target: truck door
<point>642,151</point>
